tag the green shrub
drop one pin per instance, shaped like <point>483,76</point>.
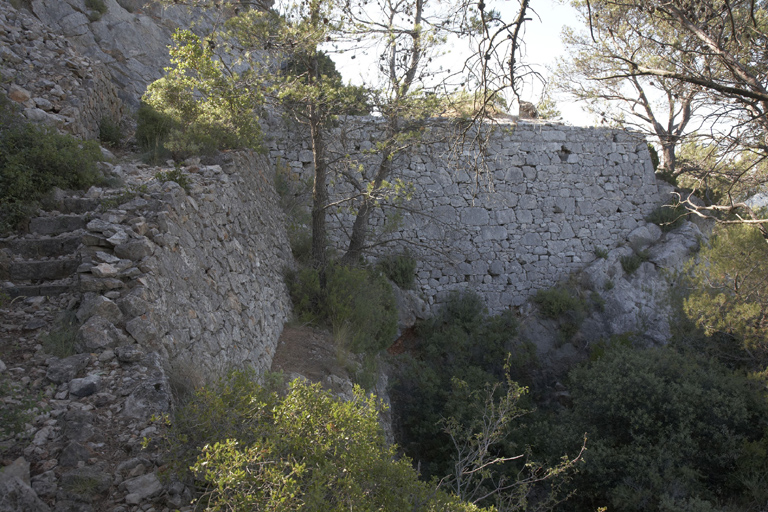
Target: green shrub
<point>256,448</point>
<point>359,299</point>
<point>601,253</point>
<point>61,341</point>
<point>631,263</point>
<point>109,133</point>
<point>152,131</point>
<point>98,9</point>
<point>665,429</point>
<point>654,157</point>
<point>202,106</point>
<point>668,217</point>
<point>294,195</point>
<point>176,175</point>
<point>564,305</point>
<point>460,350</point>
<point>17,409</point>
<point>400,269</point>
<point>34,159</point>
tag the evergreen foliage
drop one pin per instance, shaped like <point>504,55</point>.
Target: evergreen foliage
<point>201,105</point>
<point>258,448</point>
<point>729,289</point>
<point>666,431</point>
<point>461,352</point>
<point>357,300</point>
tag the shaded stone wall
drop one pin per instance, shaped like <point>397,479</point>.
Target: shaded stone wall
<point>217,275</point>
<point>548,197</point>
<point>197,275</point>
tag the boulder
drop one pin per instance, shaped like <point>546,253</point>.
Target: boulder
<point>64,370</point>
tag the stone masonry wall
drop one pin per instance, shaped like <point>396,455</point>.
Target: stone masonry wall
<point>197,275</point>
<point>550,196</point>
<point>219,272</point>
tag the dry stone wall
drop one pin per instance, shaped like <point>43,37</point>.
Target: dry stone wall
<point>196,276</point>
<point>548,197</point>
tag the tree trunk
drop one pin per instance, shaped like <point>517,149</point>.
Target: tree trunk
<point>360,227</point>
<point>319,195</point>
<point>668,157</point>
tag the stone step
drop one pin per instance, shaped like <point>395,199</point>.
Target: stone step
<point>31,248</point>
<point>41,290</point>
<point>56,225</point>
<point>78,205</point>
<point>48,270</point>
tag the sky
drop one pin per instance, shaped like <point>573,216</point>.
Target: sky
<point>542,47</point>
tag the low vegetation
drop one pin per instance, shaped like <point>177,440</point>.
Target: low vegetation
<point>34,159</point>
<point>668,217</point>
<point>462,350</point>
<point>357,300</point>
<point>61,341</point>
<point>666,431</point>
<point>632,262</point>
<point>400,269</point>
<point>261,447</point>
<point>566,306</point>
<point>198,107</point>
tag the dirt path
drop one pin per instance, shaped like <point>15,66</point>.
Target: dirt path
<point>310,353</point>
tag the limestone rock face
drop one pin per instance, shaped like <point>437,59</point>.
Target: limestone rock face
<point>636,303</point>
<point>48,77</point>
<point>131,38</point>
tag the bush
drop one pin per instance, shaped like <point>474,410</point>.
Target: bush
<point>256,448</point>
<point>460,350</point>
<point>18,407</point>
<point>61,341</point>
<point>668,217</point>
<point>565,306</point>
<point>400,269</point>
<point>109,133</point>
<point>665,429</point>
<point>34,159</point>
<point>152,131</point>
<point>202,107</point>
<point>177,175</point>
<point>631,263</point>
<point>98,9</point>
<point>358,300</point>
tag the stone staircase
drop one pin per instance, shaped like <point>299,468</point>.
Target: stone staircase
<point>45,260</point>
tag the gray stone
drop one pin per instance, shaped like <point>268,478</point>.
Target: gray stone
<point>19,468</point>
<point>642,237</point>
<point>135,250</point>
<point>143,487</point>
<point>78,425</point>
<point>18,94</point>
<point>44,484</point>
<point>16,496</point>
<point>73,453</point>
<point>129,353</point>
<point>94,304</point>
<point>64,370</point>
<point>98,333</point>
<point>86,386</point>
<point>475,216</point>
<point>148,398</point>
<point>133,306</point>
<point>143,330</point>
